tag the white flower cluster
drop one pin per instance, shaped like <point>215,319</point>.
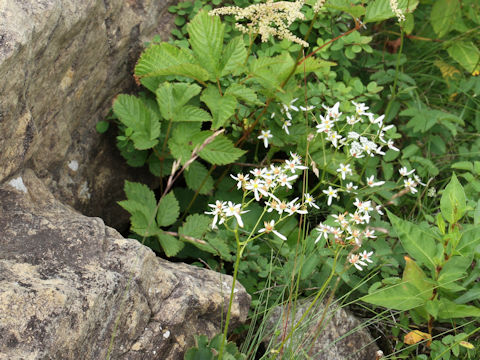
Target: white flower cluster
<point>267,19</point>
<point>262,185</point>
<point>397,11</point>
<point>361,139</point>
<point>410,183</point>
<point>349,231</point>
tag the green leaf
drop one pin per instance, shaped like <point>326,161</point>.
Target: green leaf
<point>167,59</point>
<point>206,39</point>
<point>168,210</point>
<point>463,165</point>
<point>470,295</point>
<point>414,275</point>
<point>453,270</point>
<point>222,107</point>
<point>346,6</point>
<point>191,113</point>
<point>312,64</point>
<point>170,244</point>
<point>466,53</point>
<point>416,240</point>
<point>171,97</point>
<point>102,126</point>
<point>243,93</point>
<point>134,114</point>
<point>379,10</point>
<point>221,151</point>
<point>443,16</point>
<point>140,193</point>
<point>180,142</point>
<point>402,296</point>
<point>195,226</point>
<point>197,175</point>
<point>453,203</point>
<point>233,57</point>
<point>450,310</point>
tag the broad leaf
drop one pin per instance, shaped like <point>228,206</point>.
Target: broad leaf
<point>453,270</point>
<point>313,64</point>
<point>134,114</point>
<point>450,310</point>
<point>167,59</point>
<point>206,39</point>
<point>221,151</point>
<point>170,244</point>
<point>140,193</point>
<point>466,53</point>
<point>190,113</point>
<point>168,210</point>
<point>443,16</point>
<point>453,203</point>
<point>222,107</point>
<point>416,240</point>
<point>234,56</point>
<point>243,93</point>
<point>402,296</point>
<point>414,275</point>
<point>195,226</point>
<point>379,10</point>
<point>198,179</point>
<point>172,96</point>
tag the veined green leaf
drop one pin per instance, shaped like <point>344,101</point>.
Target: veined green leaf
<point>140,193</point>
<point>243,93</point>
<point>172,96</point>
<point>414,275</point>
<point>233,57</point>
<point>222,107</point>
<point>197,175</point>
<point>379,10</point>
<point>167,59</point>
<point>313,64</point>
<point>195,226</point>
<point>221,151</point>
<point>466,53</point>
<point>169,244</point>
<point>206,39</point>
<point>402,296</point>
<point>443,16</point>
<point>450,310</point>
<point>417,241</point>
<point>168,210</point>
<point>453,203</point>
<point>133,113</point>
<point>189,113</point>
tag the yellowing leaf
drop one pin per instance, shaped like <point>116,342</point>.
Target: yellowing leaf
<point>448,71</point>
<point>416,336</point>
<point>466,344</point>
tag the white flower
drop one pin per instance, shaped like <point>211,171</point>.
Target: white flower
<point>333,112</point>
<point>360,108</point>
<point>324,230</point>
<point>404,172</point>
<point>418,180</point>
<point>366,256</point>
<point>410,185</point>
<point>296,158</point>
<point>341,220</point>
<point>241,179</point>
<point>307,108</point>
<point>235,210</point>
<point>286,125</point>
<point>218,211</point>
<point>285,180</point>
<point>371,181</point>
<point>355,260</point>
<point>344,170</point>
<point>334,137</point>
<point>293,165</point>
<point>310,201</point>
<point>369,233</point>
<point>294,207</point>
<point>269,227</point>
<point>265,136</point>
<point>332,193</point>
<point>391,146</point>
<point>378,209</point>
<point>350,187</point>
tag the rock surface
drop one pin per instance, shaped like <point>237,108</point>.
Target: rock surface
<point>68,283</point>
<point>61,64</point>
<point>341,335</point>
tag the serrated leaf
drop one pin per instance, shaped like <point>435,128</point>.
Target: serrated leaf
<point>453,203</point>
<point>191,113</point>
<point>180,142</point>
<point>170,245</point>
<point>443,16</point>
<point>167,59</point>
<point>195,226</point>
<point>140,193</point>
<point>134,114</point>
<point>221,151</point>
<point>243,93</point>
<point>313,64</point>
<point>379,10</point>
<point>417,241</point>
<point>206,39</point>
<point>222,107</point>
<point>172,96</point>
<point>197,178</point>
<point>168,210</point>
<point>234,56</point>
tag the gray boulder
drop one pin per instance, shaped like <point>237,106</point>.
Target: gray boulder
<point>340,336</point>
<point>61,64</point>
<point>73,288</point>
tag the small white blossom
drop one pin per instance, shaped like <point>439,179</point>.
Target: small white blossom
<point>331,193</point>
<point>265,136</point>
<point>270,227</point>
<point>410,185</point>
<point>235,210</point>
<point>371,181</point>
<point>404,172</point>
<point>344,170</point>
<point>355,260</point>
<point>310,201</point>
